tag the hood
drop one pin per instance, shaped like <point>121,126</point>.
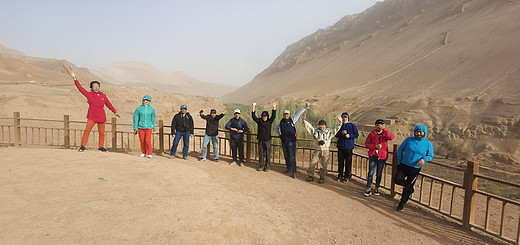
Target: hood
<point>421,127</point>
<point>147,97</point>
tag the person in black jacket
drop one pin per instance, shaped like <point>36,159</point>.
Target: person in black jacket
<point>264,137</point>
<point>211,133</point>
<point>182,126</point>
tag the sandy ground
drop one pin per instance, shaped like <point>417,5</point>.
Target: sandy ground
<point>58,196</point>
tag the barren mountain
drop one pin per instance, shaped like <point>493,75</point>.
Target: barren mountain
<point>452,65</point>
<point>138,74</point>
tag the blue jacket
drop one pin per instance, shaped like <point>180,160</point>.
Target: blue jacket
<point>144,115</point>
<point>344,143</point>
<point>239,124</point>
<point>412,150</point>
<point>285,128</point>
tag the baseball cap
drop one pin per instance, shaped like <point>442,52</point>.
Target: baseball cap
<point>286,112</point>
<point>237,111</point>
<point>184,107</point>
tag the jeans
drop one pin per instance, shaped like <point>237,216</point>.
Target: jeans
<point>373,163</point>
<point>214,142</point>
<point>344,162</point>
<point>264,153</point>
<point>186,141</point>
<point>406,177</point>
<point>289,153</point>
<point>237,144</point>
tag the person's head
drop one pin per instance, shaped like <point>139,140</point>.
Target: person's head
<point>345,117</point>
<point>95,86</point>
<point>184,109</point>
<point>213,113</point>
<point>147,99</point>
<point>380,125</point>
<point>286,114</point>
<point>419,132</point>
<point>265,116</point>
<point>322,125</point>
<point>237,113</point>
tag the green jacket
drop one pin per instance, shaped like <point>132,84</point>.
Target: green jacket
<point>144,115</point>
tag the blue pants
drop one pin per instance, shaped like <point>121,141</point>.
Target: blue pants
<point>214,142</point>
<point>289,153</point>
<point>373,163</point>
<point>186,140</point>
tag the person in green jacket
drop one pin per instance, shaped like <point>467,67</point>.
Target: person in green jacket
<point>144,124</point>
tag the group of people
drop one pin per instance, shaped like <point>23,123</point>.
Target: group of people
<point>412,154</point>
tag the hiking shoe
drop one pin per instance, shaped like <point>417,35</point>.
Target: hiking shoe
<point>233,163</point>
<point>400,207</point>
<point>202,159</point>
<point>171,156</point>
<point>293,175</point>
<point>142,155</point>
<point>321,180</point>
<point>338,179</point>
<point>367,193</point>
<point>81,149</point>
<point>149,156</point>
<point>310,178</point>
<point>376,192</point>
<point>103,149</point>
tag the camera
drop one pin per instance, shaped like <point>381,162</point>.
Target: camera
<point>321,142</point>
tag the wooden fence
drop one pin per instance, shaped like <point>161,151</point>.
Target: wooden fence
<point>453,191</point>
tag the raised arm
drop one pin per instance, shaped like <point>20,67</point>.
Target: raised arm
<point>298,114</point>
<point>309,127</point>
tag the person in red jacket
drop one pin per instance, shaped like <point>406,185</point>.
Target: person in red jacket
<point>377,144</point>
<point>96,111</point>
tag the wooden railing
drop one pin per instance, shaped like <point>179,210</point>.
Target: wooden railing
<point>450,190</point>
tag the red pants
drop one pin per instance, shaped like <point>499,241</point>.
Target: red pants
<point>101,129</point>
<point>145,136</point>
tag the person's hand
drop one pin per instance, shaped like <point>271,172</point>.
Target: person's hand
<point>344,132</point>
<point>240,131</point>
<point>153,130</point>
<point>304,116</point>
<point>201,111</point>
<point>117,115</point>
<point>233,129</point>
<point>224,112</point>
<point>379,146</point>
<point>274,106</point>
<point>347,136</point>
<point>306,105</point>
<point>420,162</point>
<point>135,131</point>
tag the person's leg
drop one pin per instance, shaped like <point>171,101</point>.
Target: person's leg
<point>186,141</point>
<point>400,175</point>
<point>348,164</point>
<point>323,163</point>
<point>205,143</point>
<point>88,128</point>
<point>148,141</point>
<point>261,153</point>
<point>286,155</point>
<point>372,162</point>
<point>292,154</point>
<point>379,172</point>
<point>240,145</point>
<point>314,161</point>
<point>267,154</point>
<point>101,130</point>
<point>408,189</point>
<point>176,140</point>
<point>142,136</point>
<point>341,163</point>
<point>234,146</point>
<point>214,142</point>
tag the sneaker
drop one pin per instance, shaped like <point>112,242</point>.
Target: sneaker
<point>233,163</point>
<point>142,155</point>
<point>202,159</point>
<point>260,168</point>
<point>185,157</point>
<point>149,156</point>
<point>310,178</point>
<point>266,169</point>
<point>293,175</point>
<point>338,179</point>
<point>241,164</point>
<point>171,156</point>
<point>81,149</point>
<point>344,180</point>
<point>216,160</point>
<point>321,180</point>
<point>103,149</point>
<point>400,207</point>
<point>368,193</point>
<point>376,192</point>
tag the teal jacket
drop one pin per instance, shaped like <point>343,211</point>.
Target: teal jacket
<point>144,115</point>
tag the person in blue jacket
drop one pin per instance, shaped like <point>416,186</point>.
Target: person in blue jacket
<point>346,136</point>
<point>237,127</point>
<point>144,124</point>
<point>412,154</point>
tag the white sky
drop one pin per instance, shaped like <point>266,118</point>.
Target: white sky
<point>219,41</point>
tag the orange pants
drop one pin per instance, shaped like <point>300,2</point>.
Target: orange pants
<point>101,129</point>
<point>145,136</point>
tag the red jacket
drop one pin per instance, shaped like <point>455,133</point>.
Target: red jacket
<point>374,138</point>
<point>97,102</point>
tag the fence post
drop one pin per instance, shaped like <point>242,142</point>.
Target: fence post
<point>114,134</point>
<point>66,132</point>
<point>394,171</point>
<point>161,137</point>
<point>248,141</point>
<point>470,185</point>
<point>17,129</point>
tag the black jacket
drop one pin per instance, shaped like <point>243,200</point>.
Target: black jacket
<point>264,128</point>
<point>182,124</point>
<point>212,124</point>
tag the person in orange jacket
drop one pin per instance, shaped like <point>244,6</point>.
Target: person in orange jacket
<point>377,144</point>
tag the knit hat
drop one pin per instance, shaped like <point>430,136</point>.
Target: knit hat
<point>184,107</point>
<point>322,122</point>
<point>286,112</point>
<point>345,114</point>
<point>265,114</point>
<point>237,111</point>
<point>213,111</point>
<point>380,121</point>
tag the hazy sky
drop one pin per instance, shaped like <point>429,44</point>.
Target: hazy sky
<point>220,41</point>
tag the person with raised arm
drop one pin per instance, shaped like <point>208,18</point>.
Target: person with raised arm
<point>264,136</point>
<point>211,133</point>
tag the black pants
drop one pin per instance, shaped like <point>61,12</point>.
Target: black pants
<point>406,177</point>
<point>237,144</point>
<point>344,164</point>
<point>264,153</point>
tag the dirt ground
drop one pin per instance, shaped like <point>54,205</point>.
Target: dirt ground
<point>58,196</point>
